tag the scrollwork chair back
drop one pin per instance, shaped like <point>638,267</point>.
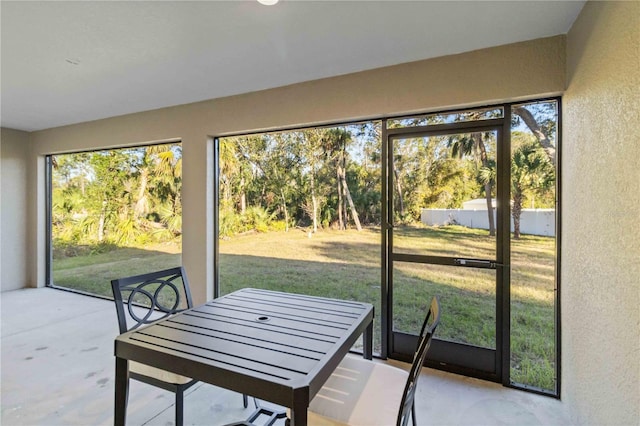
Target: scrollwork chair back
<point>143,299</point>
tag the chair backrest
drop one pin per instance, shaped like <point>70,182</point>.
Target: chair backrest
<point>426,333</point>
<point>143,299</point>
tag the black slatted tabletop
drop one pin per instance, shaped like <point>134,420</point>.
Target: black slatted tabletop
<point>280,347</point>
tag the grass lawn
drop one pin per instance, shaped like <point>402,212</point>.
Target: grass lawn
<point>93,273</point>
<point>346,265</point>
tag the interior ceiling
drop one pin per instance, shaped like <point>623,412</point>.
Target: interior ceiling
<point>69,62</point>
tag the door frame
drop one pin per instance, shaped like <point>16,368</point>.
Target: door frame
<point>478,362</point>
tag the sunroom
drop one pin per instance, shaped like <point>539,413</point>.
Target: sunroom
<point>358,166</point>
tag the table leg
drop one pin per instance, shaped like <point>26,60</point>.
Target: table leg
<point>367,350</point>
<point>300,406</point>
<point>122,391</point>
<point>298,415</point>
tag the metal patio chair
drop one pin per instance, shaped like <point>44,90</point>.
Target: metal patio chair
<point>143,299</point>
<point>362,392</point>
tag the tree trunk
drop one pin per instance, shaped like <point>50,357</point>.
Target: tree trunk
<point>345,206</point>
<point>142,207</point>
<point>516,211</point>
<point>341,221</point>
<point>101,221</point>
<point>347,194</point>
<point>492,224</point>
<point>243,197</point>
<point>399,189</point>
<point>532,124</point>
<point>226,190</point>
<point>314,203</point>
<point>487,186</point>
<point>286,212</point>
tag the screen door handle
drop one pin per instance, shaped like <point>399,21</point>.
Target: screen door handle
<point>475,263</point>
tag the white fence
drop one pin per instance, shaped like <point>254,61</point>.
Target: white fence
<point>532,221</point>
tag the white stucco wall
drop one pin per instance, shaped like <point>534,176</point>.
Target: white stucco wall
<point>601,217</point>
<point>14,150</point>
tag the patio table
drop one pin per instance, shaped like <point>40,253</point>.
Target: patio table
<point>280,347</point>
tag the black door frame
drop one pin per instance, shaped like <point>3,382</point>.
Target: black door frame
<point>464,359</point>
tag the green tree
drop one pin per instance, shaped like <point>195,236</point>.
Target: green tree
<point>475,145</point>
<point>310,145</point>
<point>531,172</point>
<point>165,187</point>
<point>541,119</point>
<point>117,196</point>
<point>336,141</point>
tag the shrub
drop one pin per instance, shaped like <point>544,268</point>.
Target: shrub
<point>254,219</point>
<point>278,225</point>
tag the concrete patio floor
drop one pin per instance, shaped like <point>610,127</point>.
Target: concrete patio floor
<point>58,368</point>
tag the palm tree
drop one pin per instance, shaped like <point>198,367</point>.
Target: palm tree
<point>159,187</point>
<point>531,171</point>
<point>474,145</point>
